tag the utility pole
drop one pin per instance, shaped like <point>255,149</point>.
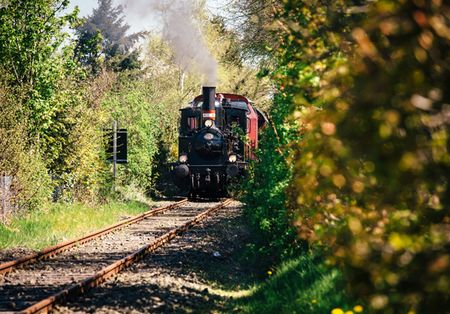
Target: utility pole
<point>114,154</point>
<point>181,80</point>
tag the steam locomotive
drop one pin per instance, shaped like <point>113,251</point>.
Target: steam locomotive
<point>218,135</point>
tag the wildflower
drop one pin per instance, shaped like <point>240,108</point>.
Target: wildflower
<point>269,273</point>
<point>313,301</point>
<point>348,312</point>
<point>337,311</point>
<point>358,308</point>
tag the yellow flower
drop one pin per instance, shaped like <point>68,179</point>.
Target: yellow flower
<point>314,301</point>
<point>337,311</point>
<point>358,308</point>
<point>269,273</point>
<point>348,312</point>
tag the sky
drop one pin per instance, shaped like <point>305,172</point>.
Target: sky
<point>136,22</point>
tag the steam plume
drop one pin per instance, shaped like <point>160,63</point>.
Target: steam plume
<point>182,31</point>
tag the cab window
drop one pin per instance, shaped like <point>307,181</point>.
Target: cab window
<point>192,123</point>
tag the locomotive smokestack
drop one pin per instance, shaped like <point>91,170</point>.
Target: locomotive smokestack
<point>209,103</point>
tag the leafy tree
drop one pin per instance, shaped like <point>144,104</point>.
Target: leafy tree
<point>305,50</point>
<point>30,35</point>
<point>103,38</point>
<point>235,73</point>
<point>254,22</point>
<point>371,181</point>
<point>265,197</point>
<point>46,85</point>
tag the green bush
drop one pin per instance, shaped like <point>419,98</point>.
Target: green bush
<point>367,84</point>
<point>265,195</point>
<point>23,163</point>
<point>150,115</point>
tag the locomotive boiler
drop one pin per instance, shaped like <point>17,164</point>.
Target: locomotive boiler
<point>218,135</point>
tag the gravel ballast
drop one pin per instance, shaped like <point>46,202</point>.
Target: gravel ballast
<point>25,286</point>
<point>191,274</point>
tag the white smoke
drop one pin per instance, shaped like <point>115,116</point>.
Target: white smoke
<point>181,30</point>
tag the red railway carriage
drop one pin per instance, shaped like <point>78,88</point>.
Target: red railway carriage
<point>218,136</point>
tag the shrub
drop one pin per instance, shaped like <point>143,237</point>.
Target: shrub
<point>265,195</point>
<point>150,115</point>
<point>23,163</point>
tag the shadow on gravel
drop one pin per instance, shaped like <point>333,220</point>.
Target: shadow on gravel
<point>147,298</point>
<point>28,296</point>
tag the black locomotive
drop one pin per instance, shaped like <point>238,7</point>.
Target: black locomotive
<point>217,137</point>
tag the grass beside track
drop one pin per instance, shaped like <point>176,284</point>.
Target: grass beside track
<point>60,222</point>
<point>301,285</point>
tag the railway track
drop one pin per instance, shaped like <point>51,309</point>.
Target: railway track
<point>37,287</point>
<point>67,245</point>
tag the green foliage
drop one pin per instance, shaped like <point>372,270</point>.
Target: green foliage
<point>56,119</point>
<point>301,285</point>
<point>254,22</point>
<point>150,116</point>
<point>21,162</point>
<point>30,38</point>
<point>81,172</point>
<point>371,176</point>
<point>265,197</point>
<point>299,65</point>
<point>88,50</point>
<point>30,34</point>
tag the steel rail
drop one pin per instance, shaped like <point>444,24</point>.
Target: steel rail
<point>45,305</point>
<point>64,246</point>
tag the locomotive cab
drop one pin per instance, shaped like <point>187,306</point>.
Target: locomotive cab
<point>217,137</point>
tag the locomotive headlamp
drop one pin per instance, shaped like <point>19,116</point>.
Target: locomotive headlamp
<point>183,158</point>
<point>232,158</point>
<point>209,123</point>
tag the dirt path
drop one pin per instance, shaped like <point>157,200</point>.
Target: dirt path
<point>194,273</point>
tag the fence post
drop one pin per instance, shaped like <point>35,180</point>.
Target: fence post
<point>5,196</point>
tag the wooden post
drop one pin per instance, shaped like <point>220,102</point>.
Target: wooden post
<point>114,154</point>
<point>181,80</point>
<point>5,196</point>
